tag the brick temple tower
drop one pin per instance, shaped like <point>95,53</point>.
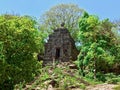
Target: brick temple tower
<point>60,46</point>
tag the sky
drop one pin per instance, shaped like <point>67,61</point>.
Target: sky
<point>102,8</point>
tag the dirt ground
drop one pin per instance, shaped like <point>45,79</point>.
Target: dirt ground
<point>101,87</point>
<point>95,87</point>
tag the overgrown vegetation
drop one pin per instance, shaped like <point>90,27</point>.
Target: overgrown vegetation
<point>22,38</point>
<point>98,47</point>
<point>19,41</point>
<point>60,77</point>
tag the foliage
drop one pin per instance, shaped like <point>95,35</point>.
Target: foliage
<point>19,41</point>
<point>64,77</point>
<point>111,78</point>
<point>99,45</point>
<point>67,13</point>
<point>116,31</point>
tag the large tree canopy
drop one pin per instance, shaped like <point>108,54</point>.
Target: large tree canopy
<point>67,13</point>
<point>99,45</point>
<point>19,41</point>
<point>116,29</point>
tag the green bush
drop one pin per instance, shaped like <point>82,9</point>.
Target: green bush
<point>111,78</point>
<point>82,86</point>
<point>112,81</point>
<point>19,41</point>
<point>90,75</point>
<point>101,77</point>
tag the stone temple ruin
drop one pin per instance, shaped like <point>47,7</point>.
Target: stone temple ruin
<point>60,47</point>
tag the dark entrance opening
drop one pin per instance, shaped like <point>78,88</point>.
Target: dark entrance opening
<point>57,53</point>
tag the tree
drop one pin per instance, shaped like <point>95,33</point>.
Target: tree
<point>116,29</point>
<point>67,13</point>
<point>19,41</point>
<point>99,45</point>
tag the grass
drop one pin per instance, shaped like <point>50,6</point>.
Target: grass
<point>117,87</point>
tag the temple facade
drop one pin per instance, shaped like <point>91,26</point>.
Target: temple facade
<point>60,47</point>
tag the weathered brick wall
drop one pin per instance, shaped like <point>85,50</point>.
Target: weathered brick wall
<point>60,47</point>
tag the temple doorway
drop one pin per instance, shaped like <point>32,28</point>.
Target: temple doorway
<point>57,53</point>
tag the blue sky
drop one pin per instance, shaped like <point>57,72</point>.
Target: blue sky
<point>103,8</point>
